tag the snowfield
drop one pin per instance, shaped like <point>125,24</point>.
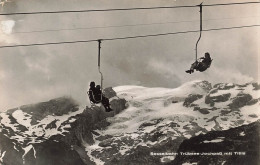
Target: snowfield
<point>154,117</point>
<point>152,110</point>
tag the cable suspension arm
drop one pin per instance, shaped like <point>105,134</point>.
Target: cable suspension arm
<point>101,75</point>
<point>196,58</point>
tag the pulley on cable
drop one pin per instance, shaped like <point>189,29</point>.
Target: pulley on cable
<point>202,63</point>
<point>95,92</point>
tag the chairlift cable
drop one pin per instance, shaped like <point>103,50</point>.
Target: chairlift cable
<point>130,37</point>
<point>120,26</point>
<point>122,9</point>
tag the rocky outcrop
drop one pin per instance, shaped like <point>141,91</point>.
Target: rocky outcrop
<point>191,98</point>
<point>219,98</point>
<point>52,153</point>
<point>256,86</point>
<point>58,107</point>
<point>234,146</point>
<point>161,122</point>
<point>57,148</point>
<point>224,86</point>
<point>7,147</point>
<point>205,85</point>
<point>109,92</point>
<point>240,100</point>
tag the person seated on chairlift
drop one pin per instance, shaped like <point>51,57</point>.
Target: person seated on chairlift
<point>92,93</point>
<point>201,66</point>
<point>96,96</point>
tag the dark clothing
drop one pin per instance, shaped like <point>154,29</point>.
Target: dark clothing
<point>204,64</point>
<point>105,101</point>
<point>206,60</point>
<point>95,97</point>
<point>200,66</point>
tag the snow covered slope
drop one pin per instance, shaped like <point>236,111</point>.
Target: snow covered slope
<point>159,119</point>
<point>144,120</point>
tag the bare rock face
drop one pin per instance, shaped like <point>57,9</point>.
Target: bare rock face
<point>204,85</point>
<point>213,99</point>
<point>202,110</point>
<point>109,92</point>
<point>58,107</point>
<point>241,100</point>
<point>73,130</point>
<point>59,131</point>
<point>241,140</point>
<point>256,86</point>
<point>191,98</point>
<point>224,86</point>
<point>52,153</point>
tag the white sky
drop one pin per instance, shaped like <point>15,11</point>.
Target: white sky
<point>33,74</point>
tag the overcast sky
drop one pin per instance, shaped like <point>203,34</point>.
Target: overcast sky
<point>33,74</point>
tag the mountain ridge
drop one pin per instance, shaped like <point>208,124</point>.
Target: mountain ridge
<point>144,120</point>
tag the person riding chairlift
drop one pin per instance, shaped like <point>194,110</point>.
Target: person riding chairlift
<point>96,96</point>
<point>201,66</point>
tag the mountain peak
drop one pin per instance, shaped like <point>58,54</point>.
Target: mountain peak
<point>144,120</point>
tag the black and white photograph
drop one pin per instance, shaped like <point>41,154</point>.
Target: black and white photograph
<point>129,82</point>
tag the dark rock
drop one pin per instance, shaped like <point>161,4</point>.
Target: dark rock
<point>83,155</point>
<point>239,122</point>
<point>209,101</point>
<point>14,122</point>
<point>140,156</point>
<point>228,141</point>
<point>174,125</point>
<point>253,115</point>
<point>252,102</point>
<point>256,86</point>
<point>52,124</point>
<point>201,110</point>
<point>220,98</point>
<point>101,138</point>
<point>150,123</point>
<point>212,119</point>
<point>59,106</point>
<point>240,100</point>
<point>91,119</point>
<point>224,86</point>
<point>214,90</point>
<point>12,156</point>
<point>204,111</point>
<point>225,112</point>
<point>53,153</point>
<point>153,136</point>
<point>173,100</point>
<point>242,86</point>
<point>109,92</point>
<point>106,143</point>
<point>191,98</point>
<point>204,85</point>
<point>101,125</point>
<point>224,119</point>
<point>196,108</point>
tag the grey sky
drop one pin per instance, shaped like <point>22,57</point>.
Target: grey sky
<point>33,74</point>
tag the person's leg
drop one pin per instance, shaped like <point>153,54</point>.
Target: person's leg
<point>105,102</point>
<point>193,66</point>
